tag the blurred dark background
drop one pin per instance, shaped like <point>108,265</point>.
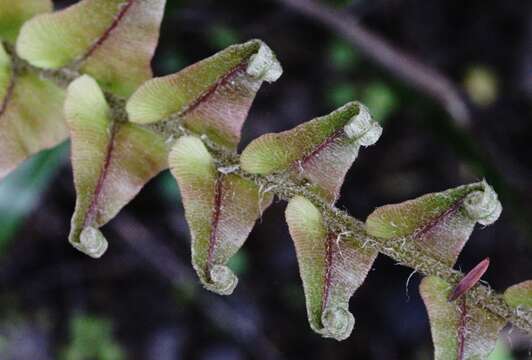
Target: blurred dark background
<point>142,301</point>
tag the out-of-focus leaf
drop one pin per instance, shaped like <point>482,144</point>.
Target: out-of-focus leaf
<point>501,352</point>
<point>440,222</point>
<point>459,331</point>
<point>331,269</point>
<point>221,209</point>
<point>340,94</point>
<point>520,295</point>
<point>171,61</point>
<point>22,189</point>
<point>111,40</point>
<point>221,36</point>
<point>31,115</point>
<point>380,99</point>
<point>111,161</point>
<point>14,13</point>
<point>482,85</point>
<point>239,263</point>
<point>343,55</point>
<point>92,338</point>
<point>169,188</point>
<point>211,97</point>
<point>319,151</point>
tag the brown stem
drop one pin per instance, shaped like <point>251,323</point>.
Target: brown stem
<point>405,252</point>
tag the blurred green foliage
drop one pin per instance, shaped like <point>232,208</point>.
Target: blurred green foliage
<point>239,262</point>
<point>168,187</point>
<point>21,191</point>
<point>481,85</point>
<point>377,95</point>
<point>91,338</point>
<point>380,99</point>
<point>172,62</point>
<point>222,36</point>
<point>342,55</point>
<point>501,352</point>
<point>341,93</point>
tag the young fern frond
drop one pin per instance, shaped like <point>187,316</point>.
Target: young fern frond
<point>99,51</point>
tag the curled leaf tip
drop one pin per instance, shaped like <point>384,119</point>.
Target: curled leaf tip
<point>331,269</point>
<point>363,128</point>
<point>337,323</point>
<point>483,206</point>
<point>220,207</point>
<point>264,65</point>
<point>439,222</point>
<point>223,280</point>
<point>92,242</point>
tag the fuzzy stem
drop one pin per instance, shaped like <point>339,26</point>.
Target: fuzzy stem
<point>404,252</point>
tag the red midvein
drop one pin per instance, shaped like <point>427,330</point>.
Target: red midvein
<point>218,192</point>
<point>107,33</point>
<point>331,138</point>
<point>9,94</point>
<point>329,252</point>
<point>212,89</point>
<point>434,222</point>
<point>91,212</point>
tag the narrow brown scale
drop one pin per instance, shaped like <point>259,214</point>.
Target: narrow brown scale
<point>470,279</point>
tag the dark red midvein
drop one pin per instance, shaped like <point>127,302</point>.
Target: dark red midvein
<point>9,94</point>
<point>462,329</point>
<point>434,222</point>
<point>108,31</point>
<point>91,212</point>
<point>329,253</point>
<point>330,139</point>
<point>212,89</point>
<point>218,192</point>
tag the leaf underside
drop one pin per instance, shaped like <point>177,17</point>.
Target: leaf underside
<point>440,223</point>
<point>14,13</point>
<point>330,267</point>
<point>320,151</point>
<point>459,331</point>
<point>220,209</point>
<point>520,295</point>
<point>31,115</point>
<point>111,40</point>
<point>111,162</point>
<point>211,97</point>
